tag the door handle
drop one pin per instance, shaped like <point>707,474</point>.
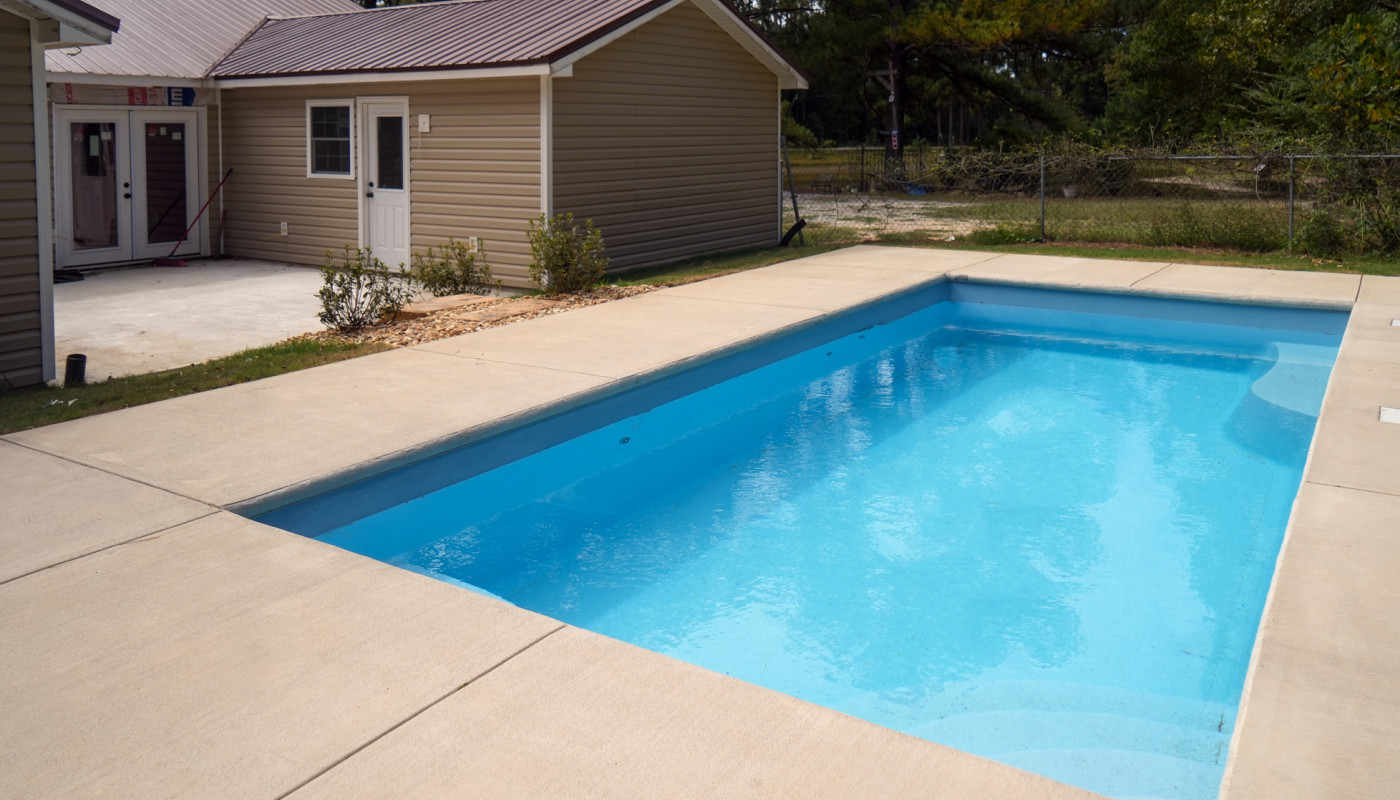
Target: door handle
<point>367,194</point>
<point>127,195</point>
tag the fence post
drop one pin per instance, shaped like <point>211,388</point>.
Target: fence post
<point>1042,196</point>
<point>1291,195</point>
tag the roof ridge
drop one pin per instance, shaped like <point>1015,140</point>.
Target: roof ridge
<point>382,9</point>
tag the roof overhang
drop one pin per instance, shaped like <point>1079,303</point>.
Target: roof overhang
<point>559,65</point>
<point>124,80</point>
<point>65,23</point>
<point>389,76</point>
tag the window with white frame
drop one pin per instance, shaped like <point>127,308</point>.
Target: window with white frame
<point>329,138</point>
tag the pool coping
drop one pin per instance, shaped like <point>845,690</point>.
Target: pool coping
<point>151,504</point>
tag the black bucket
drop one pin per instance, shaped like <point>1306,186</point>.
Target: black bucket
<point>75,370</point>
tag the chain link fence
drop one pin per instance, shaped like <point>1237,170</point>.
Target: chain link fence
<point>1321,204</point>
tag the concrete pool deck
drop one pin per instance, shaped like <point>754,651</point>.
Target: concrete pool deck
<point>154,643</point>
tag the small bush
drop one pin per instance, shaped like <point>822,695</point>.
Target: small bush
<point>566,258</point>
<point>360,292</point>
<point>454,270</point>
<point>1320,235</point>
<point>1004,234</point>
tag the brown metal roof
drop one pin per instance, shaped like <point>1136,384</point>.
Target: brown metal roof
<point>445,35</point>
<point>162,39</point>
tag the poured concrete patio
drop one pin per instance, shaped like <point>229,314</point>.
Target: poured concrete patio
<point>155,644</point>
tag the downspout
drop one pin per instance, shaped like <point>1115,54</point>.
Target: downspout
<point>219,105</point>
<point>43,193</point>
<point>547,145</point>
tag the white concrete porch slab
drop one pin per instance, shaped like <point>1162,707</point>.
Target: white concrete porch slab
<point>224,658</point>
<point>582,715</point>
<point>145,319</point>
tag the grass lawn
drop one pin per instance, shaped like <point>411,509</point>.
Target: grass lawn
<point>32,407</point>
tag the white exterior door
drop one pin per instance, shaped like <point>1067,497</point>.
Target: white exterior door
<point>385,180</point>
<point>165,180</point>
<point>126,184</point>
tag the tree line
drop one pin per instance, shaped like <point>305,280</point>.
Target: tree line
<point>1283,74</point>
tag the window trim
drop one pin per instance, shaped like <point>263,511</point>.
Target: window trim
<point>349,105</point>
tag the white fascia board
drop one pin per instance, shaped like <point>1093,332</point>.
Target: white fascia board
<point>99,79</point>
<point>67,29</point>
<point>788,78</point>
<point>397,76</point>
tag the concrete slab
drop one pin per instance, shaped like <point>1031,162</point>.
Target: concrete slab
<point>56,510</point>
<point>1245,284</point>
<point>877,257</point>
<point>581,715</point>
<point>1380,289</point>
<point>226,659</point>
<point>146,319</point>
<point>639,334</point>
<point>802,284</point>
<point>1352,447</point>
<point>1372,334</point>
<point>236,443</point>
<point>1324,698</point>
<point>1056,272</point>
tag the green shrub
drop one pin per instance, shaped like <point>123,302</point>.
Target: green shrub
<point>566,258</point>
<point>361,291</point>
<point>1004,234</point>
<point>454,270</point>
<point>1320,235</point>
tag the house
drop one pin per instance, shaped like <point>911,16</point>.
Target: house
<point>27,29</point>
<point>135,147</point>
<point>400,127</point>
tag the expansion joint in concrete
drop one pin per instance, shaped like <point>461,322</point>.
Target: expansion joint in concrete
<point>418,713</point>
<point>113,473</point>
<point>111,546</point>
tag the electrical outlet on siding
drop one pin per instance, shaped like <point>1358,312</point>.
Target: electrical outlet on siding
<point>284,229</point>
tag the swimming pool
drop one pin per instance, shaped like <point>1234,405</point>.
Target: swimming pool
<point>1034,525</point>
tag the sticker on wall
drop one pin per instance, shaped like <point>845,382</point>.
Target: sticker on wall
<point>175,136</point>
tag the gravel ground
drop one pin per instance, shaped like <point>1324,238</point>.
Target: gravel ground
<point>489,312</point>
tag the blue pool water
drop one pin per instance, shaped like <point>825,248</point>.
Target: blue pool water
<point>1008,522</point>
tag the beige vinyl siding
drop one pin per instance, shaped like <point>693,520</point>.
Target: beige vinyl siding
<point>21,354</point>
<point>668,140</point>
<point>475,173</point>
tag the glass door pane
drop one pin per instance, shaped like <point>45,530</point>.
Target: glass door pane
<point>389,152</point>
<point>93,165</point>
<point>166,181</point>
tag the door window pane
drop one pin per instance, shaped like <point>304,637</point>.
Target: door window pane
<point>330,140</point>
<point>166,203</point>
<point>94,168</point>
<point>389,152</point>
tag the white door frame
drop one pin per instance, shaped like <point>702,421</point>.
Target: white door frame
<point>124,118</point>
<point>366,109</point>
